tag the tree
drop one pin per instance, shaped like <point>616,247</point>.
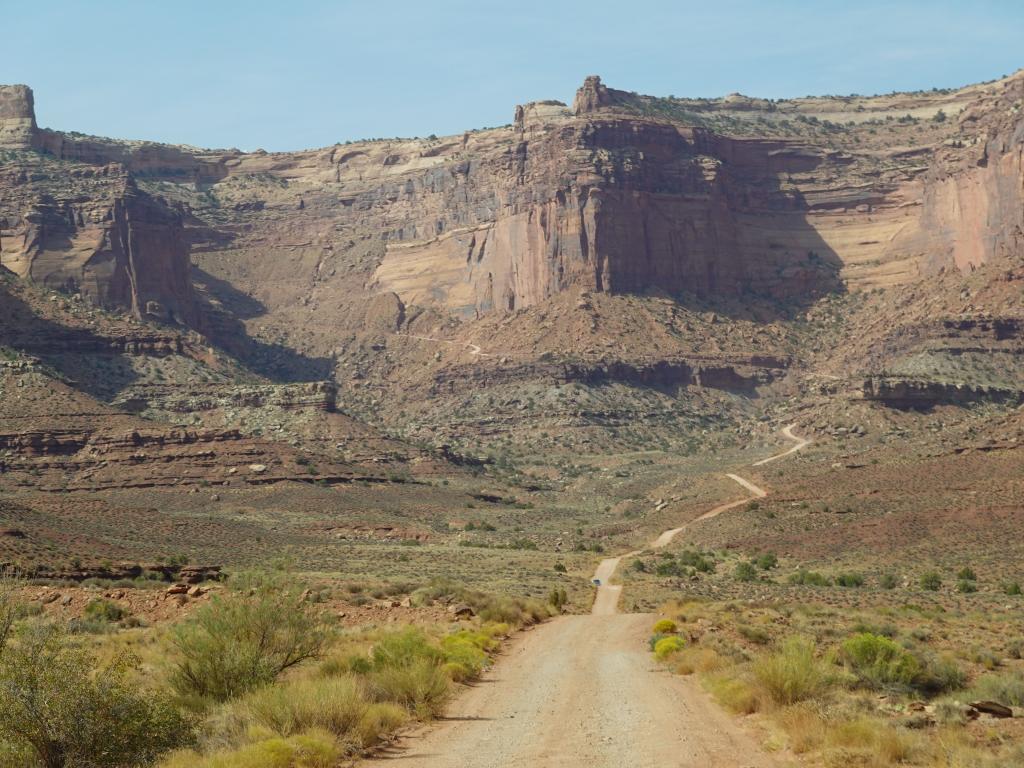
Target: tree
<point>237,643</point>
<point>59,704</point>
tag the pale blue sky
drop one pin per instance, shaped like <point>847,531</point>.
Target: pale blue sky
<point>308,73</point>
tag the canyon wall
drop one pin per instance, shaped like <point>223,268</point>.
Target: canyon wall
<point>621,193</point>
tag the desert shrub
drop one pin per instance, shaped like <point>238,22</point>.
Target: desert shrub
<point>734,693</point>
<point>495,608</point>
<point>101,609</point>
<point>808,579</point>
<point>985,658</point>
<point>314,749</point>
<point>336,705</point>
<point>792,673</point>
<point>1012,588</point>
<point>754,634</point>
<point>404,648</point>
<point>767,561</point>
<point>697,659</point>
<point>667,646</point>
<point>745,571</point>
<point>1007,689</point>
<point>939,675</point>
<point>665,627</point>
<point>878,661</point>
<point>558,598</point>
<point>464,655</point>
<point>237,643</point>
<point>1015,648</point>
<point>653,640</point>
<point>870,627</point>
<point>409,671</point>
<point>62,705</point>
<point>866,741</point>
<point>888,581</point>
<point>966,587</point>
<point>698,561</point>
<point>669,568</point>
<point>931,581</point>
<point>850,580</point>
<point>9,607</point>
<point>967,574</point>
<point>421,687</point>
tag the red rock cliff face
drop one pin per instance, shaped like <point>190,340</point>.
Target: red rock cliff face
<point>621,193</point>
<point>616,204</point>
<point>973,209</point>
<point>88,228</point>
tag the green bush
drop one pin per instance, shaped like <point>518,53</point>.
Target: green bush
<point>850,580</point>
<point>966,587</point>
<point>767,561</point>
<point>421,687</point>
<point>967,574</point>
<point>792,674</point>
<point>66,708</point>
<point>808,579</point>
<point>888,581</point>
<point>879,661</point>
<point>698,561</point>
<point>1012,588</point>
<point>237,643</point>
<point>101,609</point>
<point>931,581</point>
<point>745,571</point>
<point>666,646</point>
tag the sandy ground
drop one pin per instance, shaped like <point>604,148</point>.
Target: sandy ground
<point>582,691</point>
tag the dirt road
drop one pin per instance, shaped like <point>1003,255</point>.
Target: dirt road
<point>800,442</point>
<point>582,692</point>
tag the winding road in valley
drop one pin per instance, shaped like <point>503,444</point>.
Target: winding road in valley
<point>584,691</point>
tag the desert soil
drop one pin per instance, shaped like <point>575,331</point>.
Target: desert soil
<point>582,691</point>
<point>585,691</point>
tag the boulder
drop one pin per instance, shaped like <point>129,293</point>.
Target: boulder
<point>993,708</point>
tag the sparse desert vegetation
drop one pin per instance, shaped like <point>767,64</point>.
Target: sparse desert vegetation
<point>258,675</point>
<point>837,689</point>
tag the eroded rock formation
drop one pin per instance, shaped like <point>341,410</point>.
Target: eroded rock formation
<point>622,193</point>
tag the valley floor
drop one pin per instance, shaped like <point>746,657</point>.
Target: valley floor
<point>583,690</point>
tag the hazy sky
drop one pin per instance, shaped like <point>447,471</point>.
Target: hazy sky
<point>308,73</point>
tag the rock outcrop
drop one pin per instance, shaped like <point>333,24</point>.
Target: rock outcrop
<point>17,117</point>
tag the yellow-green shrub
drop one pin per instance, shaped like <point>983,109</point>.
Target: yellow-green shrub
<point>696,659</point>
<point>336,705</point>
<point>312,749</point>
<point>734,693</point>
<point>665,627</point>
<point>666,646</point>
<point>422,687</point>
<point>792,673</point>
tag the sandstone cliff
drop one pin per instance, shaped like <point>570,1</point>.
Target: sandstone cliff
<point>622,193</point>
